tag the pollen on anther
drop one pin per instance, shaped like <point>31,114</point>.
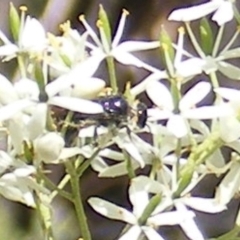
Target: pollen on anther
<point>126,12</point>
<point>81,17</point>
<point>23,8</point>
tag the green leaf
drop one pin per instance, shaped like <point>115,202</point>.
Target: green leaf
<point>206,36</point>
<point>104,24</point>
<point>14,22</point>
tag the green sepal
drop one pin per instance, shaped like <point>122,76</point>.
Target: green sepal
<point>14,22</point>
<point>153,203</point>
<point>28,152</point>
<point>206,36</point>
<point>167,51</point>
<point>104,21</point>
<point>183,182</point>
<point>39,76</point>
<point>66,60</point>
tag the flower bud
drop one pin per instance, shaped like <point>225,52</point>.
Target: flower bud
<point>48,147</point>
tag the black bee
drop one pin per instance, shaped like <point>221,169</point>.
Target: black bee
<point>117,114</point>
<point>116,111</point>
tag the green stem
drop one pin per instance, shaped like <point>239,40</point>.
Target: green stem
<point>112,74</point>
<point>129,167</point>
<point>214,79</point>
<point>197,157</point>
<point>77,201</point>
<point>44,212</point>
<point>53,187</point>
<point>84,166</point>
<point>60,186</point>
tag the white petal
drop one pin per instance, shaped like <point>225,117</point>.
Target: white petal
<point>24,171</point>
<point>27,88</point>
<point>88,88</point>
<point>127,58</point>
<point>170,218</point>
<point>151,233</point>
<point>99,165</point>
<point>112,154</point>
<point>33,36</point>
<point>77,105</point>
<point>17,132</point>
<point>83,70</point>
<point>160,95</point>
<point>8,50</point>
<point>140,188</point>
<point>69,152</point>
<point>143,84</point>
<point>7,91</point>
<point>231,53</point>
<point>228,93</point>
<point>5,161</point>
<point>193,13</point>
<point>133,233</point>
<point>157,114</point>
<point>131,46</point>
<point>208,205</point>
<point>37,121</point>
<point>229,70</point>
<point>208,112</point>
<point>229,128</point>
<point>111,210</point>
<point>11,109</point>
<point>114,171</point>
<point>188,224</point>
<point>229,185</point>
<point>124,142</point>
<point>15,193</point>
<point>234,145</point>
<point>194,95</point>
<point>177,126</point>
<point>224,13</point>
<point>190,67</point>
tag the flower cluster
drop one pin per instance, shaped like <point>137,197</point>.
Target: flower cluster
<point>56,90</point>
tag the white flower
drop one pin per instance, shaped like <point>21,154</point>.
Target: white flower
<point>120,51</point>
<point>32,39</point>
<point>31,125</point>
<point>139,191</point>
<point>16,182</point>
<point>177,122</point>
<point>67,50</point>
<point>180,69</point>
<point>223,12</point>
